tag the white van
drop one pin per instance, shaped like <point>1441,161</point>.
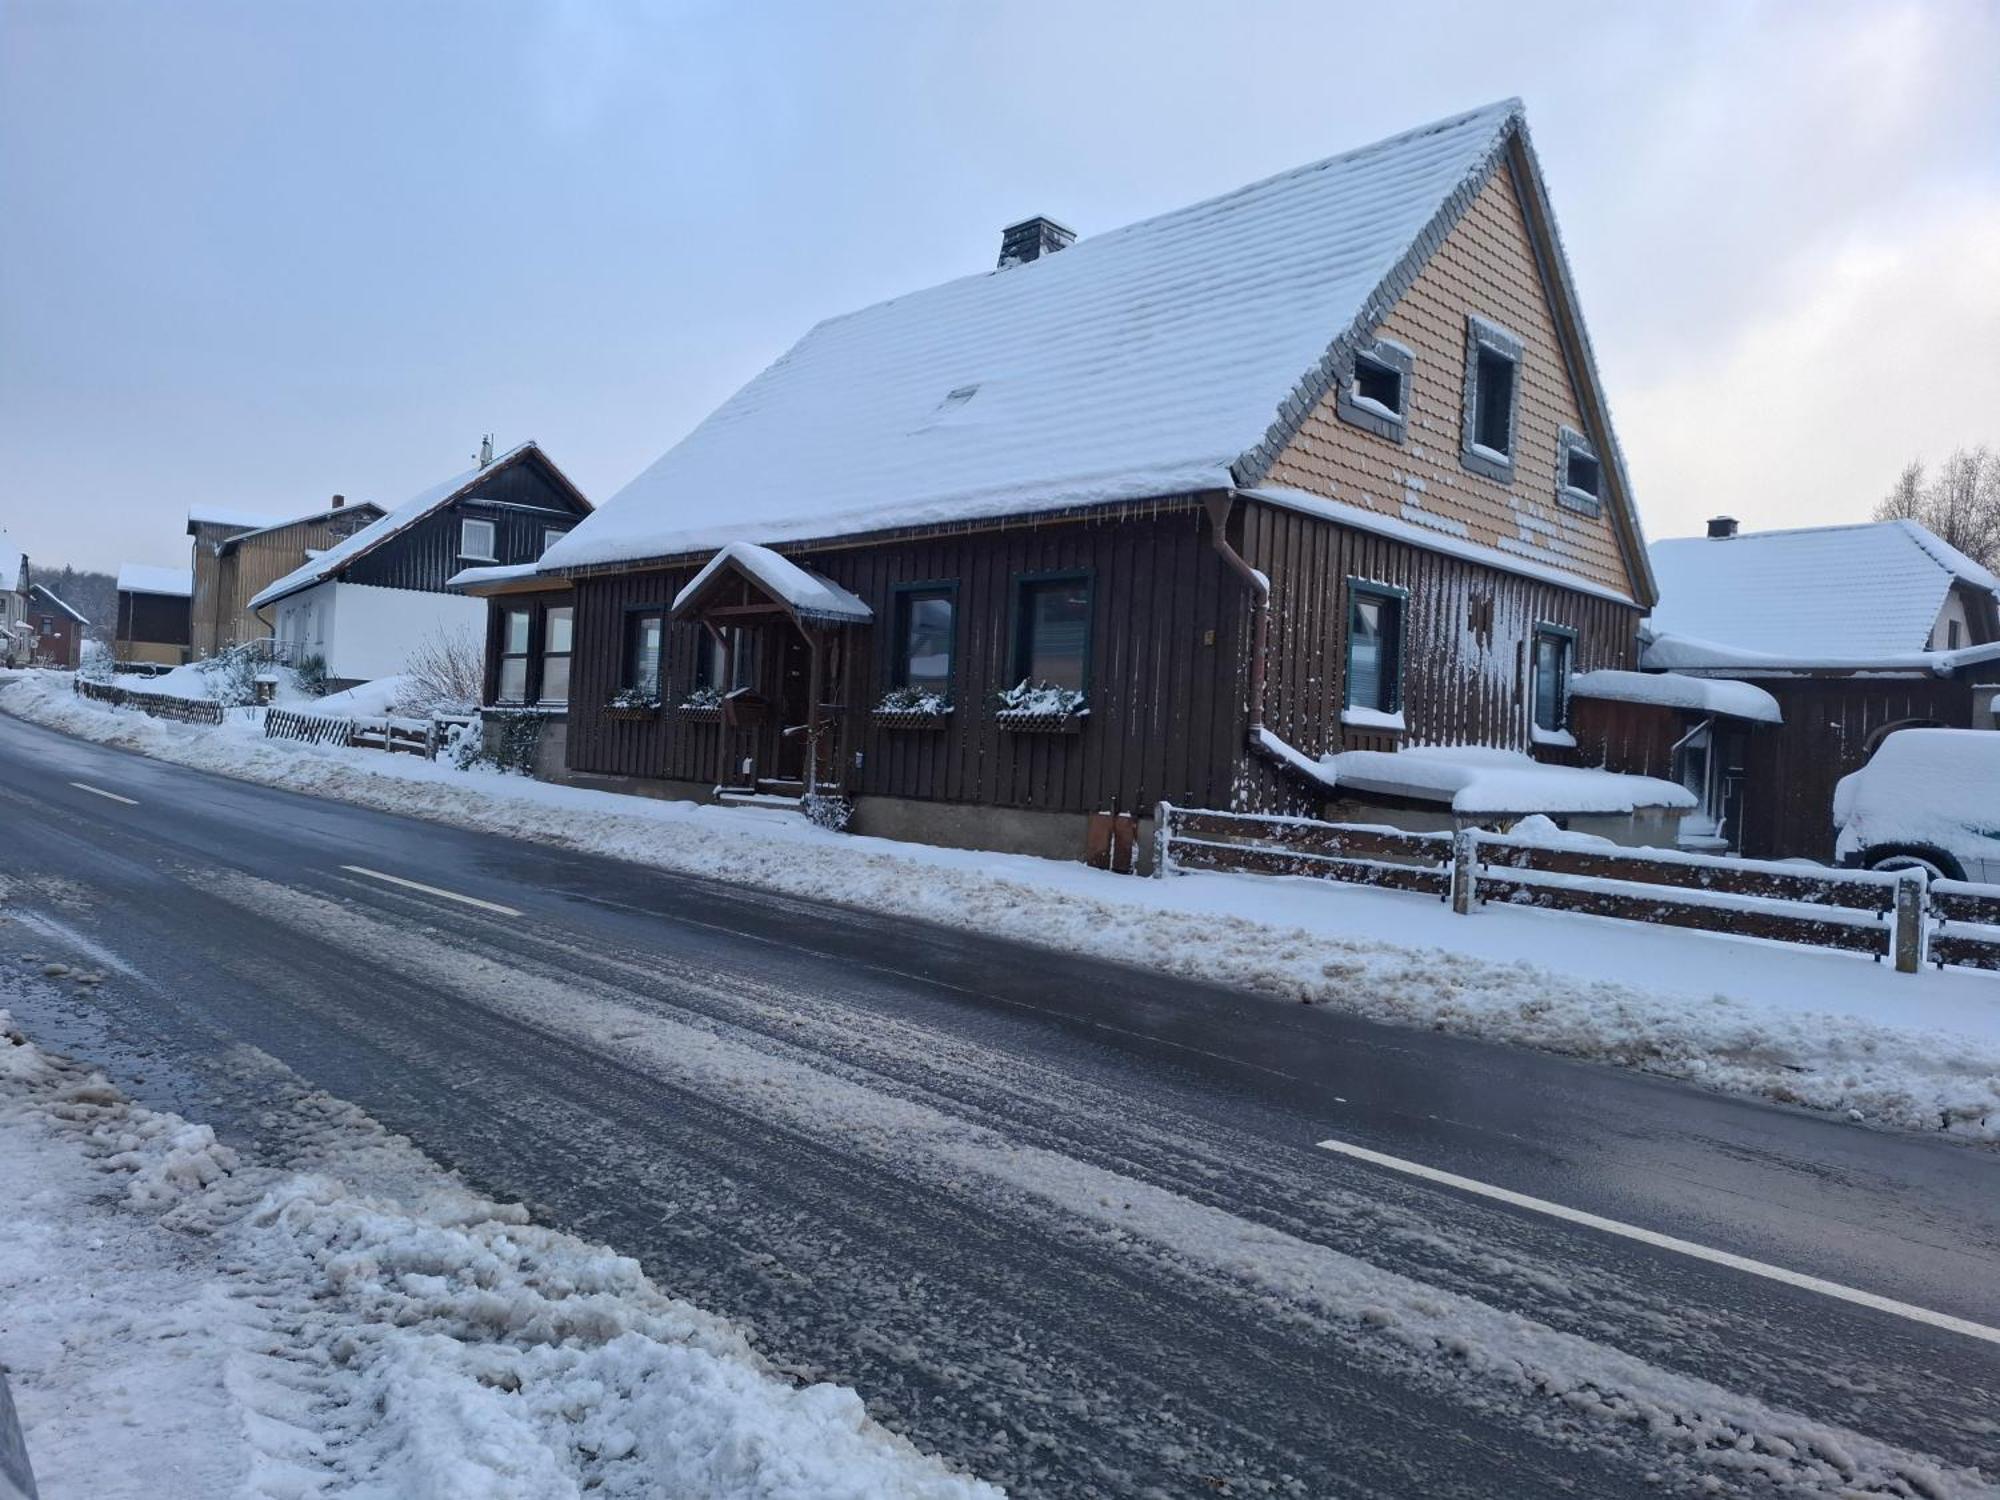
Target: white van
<point>1928,799</point>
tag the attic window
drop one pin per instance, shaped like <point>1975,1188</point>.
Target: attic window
<point>1375,392</point>
<point>1492,379</point>
<point>1579,473</point>
<point>475,541</point>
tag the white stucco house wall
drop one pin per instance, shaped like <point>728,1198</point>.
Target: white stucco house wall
<point>363,631</point>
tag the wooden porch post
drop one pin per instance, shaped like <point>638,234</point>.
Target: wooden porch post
<point>814,673</point>
<point>723,737</point>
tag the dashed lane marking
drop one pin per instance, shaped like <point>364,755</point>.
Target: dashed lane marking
<point>98,791</point>
<point>431,890</point>
<point>1670,1242</point>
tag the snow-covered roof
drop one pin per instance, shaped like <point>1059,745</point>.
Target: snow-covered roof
<point>323,513</point>
<point>1477,780</point>
<point>143,578</point>
<point>50,594</point>
<point>1142,362</point>
<point>12,559</point>
<point>501,573</point>
<point>809,596</point>
<point>223,515</point>
<point>1822,595</point>
<point>1714,695</point>
<point>393,523</point>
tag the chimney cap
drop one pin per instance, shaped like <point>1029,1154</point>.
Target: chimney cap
<point>1722,526</point>
<point>1031,239</point>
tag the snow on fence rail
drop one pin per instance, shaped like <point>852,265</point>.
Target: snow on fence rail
<point>388,732</point>
<point>1964,924</point>
<point>1864,911</point>
<point>186,710</point>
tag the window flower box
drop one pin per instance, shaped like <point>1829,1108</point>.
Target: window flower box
<point>702,706</point>
<point>631,703</point>
<point>1042,708</point>
<point>912,708</point>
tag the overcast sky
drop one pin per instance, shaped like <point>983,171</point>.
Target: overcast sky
<point>254,254</point>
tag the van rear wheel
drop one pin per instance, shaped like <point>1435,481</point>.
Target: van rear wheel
<point>1935,863</point>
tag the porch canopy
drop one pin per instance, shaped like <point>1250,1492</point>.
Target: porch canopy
<point>1713,695</point>
<point>781,583</point>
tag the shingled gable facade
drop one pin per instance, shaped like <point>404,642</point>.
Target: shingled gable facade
<point>1378,507</point>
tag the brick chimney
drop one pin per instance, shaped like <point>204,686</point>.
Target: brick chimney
<point>338,501</point>
<point>1031,239</point>
<point>1722,526</point>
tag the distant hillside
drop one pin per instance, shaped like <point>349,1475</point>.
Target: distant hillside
<point>92,595</point>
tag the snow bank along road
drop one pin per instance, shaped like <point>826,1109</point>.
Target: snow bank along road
<point>1066,1224</point>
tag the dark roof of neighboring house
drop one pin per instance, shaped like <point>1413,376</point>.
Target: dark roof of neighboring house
<point>50,594</point>
<point>335,559</point>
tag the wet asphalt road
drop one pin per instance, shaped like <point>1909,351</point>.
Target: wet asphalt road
<point>1061,1221</point>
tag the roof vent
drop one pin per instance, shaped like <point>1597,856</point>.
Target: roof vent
<point>1031,239</point>
<point>1722,526</point>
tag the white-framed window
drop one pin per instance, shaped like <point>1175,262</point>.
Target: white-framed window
<point>553,534</point>
<point>476,540</point>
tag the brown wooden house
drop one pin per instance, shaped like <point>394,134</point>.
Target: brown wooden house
<point>152,615</point>
<point>1201,509</point>
<point>55,628</point>
<point>1852,632</point>
<point>236,554</point>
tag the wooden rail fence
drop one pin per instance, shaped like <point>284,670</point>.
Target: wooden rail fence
<point>184,710</point>
<point>1896,914</point>
<point>388,732</point>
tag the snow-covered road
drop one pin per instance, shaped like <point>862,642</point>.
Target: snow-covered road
<point>1061,1222</point>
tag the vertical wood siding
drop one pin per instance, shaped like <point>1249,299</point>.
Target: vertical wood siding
<point>1166,669</point>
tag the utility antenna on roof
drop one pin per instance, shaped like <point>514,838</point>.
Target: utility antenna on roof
<point>486,450</point>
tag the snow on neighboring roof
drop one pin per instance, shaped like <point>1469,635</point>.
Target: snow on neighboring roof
<point>50,594</point>
<point>1830,595</point>
<point>222,515</point>
<point>12,559</point>
<point>325,512</point>
<point>810,596</point>
<point>1475,779</point>
<point>142,578</point>
<point>341,553</point>
<point>1141,362</point>
<point>465,577</point>
<point>1715,695</point>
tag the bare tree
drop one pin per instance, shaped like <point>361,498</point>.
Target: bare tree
<point>1961,502</point>
<point>445,673</point>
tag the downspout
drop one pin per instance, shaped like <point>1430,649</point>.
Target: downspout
<point>1218,505</point>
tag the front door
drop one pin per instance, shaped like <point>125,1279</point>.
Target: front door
<point>793,703</point>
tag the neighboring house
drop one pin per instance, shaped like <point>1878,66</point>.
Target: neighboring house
<point>1852,631</point>
<point>152,614</point>
<point>367,602</point>
<point>238,554</point>
<point>1189,510</point>
<point>14,636</point>
<point>57,640</point>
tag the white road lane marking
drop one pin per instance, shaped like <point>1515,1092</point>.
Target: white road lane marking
<point>1669,1242</point>
<point>98,791</point>
<point>431,890</point>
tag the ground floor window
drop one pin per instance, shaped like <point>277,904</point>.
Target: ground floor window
<point>558,623</point>
<point>1052,638</point>
<point>925,639</point>
<point>1374,648</point>
<point>1554,646</point>
<point>645,632</point>
<point>740,667</point>
<point>516,626</point>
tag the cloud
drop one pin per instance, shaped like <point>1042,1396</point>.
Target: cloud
<point>1885,349</point>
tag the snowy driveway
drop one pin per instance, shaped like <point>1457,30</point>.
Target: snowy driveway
<point>1062,1222</point>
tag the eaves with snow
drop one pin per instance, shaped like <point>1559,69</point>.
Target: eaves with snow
<point>1816,598</point>
<point>144,578</point>
<point>1170,357</point>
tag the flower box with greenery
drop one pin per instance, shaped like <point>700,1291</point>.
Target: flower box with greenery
<point>913,708</point>
<point>632,703</point>
<point>1042,708</point>
<point>702,705</point>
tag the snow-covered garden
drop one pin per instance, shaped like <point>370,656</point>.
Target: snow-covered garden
<point>1825,1030</point>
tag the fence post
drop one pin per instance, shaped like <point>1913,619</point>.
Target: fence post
<point>1163,839</point>
<point>1464,869</point>
<point>1909,921</point>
